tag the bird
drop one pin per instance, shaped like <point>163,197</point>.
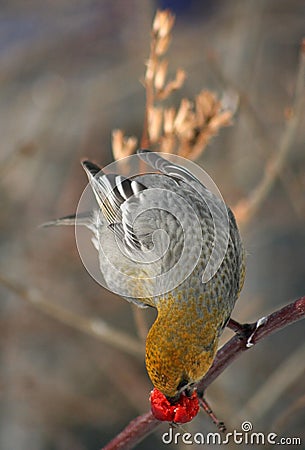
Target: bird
<point>155,236</point>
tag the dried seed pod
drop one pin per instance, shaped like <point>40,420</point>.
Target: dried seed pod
<point>160,75</point>
<point>155,117</point>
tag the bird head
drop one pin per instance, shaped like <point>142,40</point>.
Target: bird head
<point>176,361</point>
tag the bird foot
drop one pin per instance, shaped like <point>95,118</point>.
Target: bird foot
<point>243,330</point>
<point>206,407</point>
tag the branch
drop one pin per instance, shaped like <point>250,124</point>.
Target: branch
<point>134,433</point>
<point>235,346</point>
<point>160,34</point>
<point>143,425</point>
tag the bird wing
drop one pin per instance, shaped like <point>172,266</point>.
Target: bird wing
<point>166,167</point>
<point>112,192</point>
<point>142,248</point>
<point>123,253</point>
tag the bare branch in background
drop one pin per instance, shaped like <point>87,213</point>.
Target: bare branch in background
<point>93,327</point>
<point>247,208</point>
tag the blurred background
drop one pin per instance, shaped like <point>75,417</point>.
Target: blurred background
<point>69,74</point>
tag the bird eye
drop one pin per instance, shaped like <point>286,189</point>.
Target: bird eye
<point>183,382</point>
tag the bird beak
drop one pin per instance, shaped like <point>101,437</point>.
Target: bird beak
<point>174,399</point>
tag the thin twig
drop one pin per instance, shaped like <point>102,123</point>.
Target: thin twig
<point>149,102</point>
<point>206,407</point>
<point>293,185</point>
<point>247,208</point>
<point>262,134</point>
<point>149,91</point>
<point>93,327</point>
<point>286,415</point>
<point>143,425</point>
<point>277,382</point>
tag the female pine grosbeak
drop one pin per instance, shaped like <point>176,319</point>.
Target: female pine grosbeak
<point>192,313</point>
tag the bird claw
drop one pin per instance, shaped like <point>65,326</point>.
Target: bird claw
<point>242,330</point>
<point>259,323</point>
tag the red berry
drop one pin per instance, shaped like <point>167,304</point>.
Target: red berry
<point>183,411</point>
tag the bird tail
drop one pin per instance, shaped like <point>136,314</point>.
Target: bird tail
<point>83,219</point>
